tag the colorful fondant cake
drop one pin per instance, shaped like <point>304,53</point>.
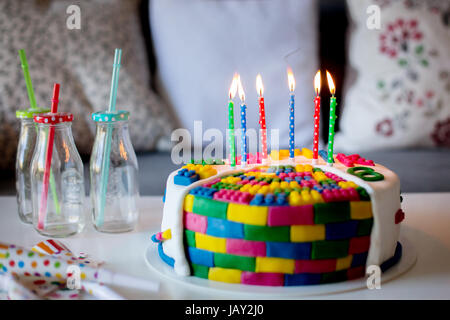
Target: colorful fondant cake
<point>281,224</point>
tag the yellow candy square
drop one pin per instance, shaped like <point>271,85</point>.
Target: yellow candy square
<point>295,199</point>
<point>307,233</point>
<point>360,210</point>
<point>307,153</point>
<point>210,243</point>
<point>275,155</point>
<point>277,265</point>
<point>188,203</point>
<point>344,263</point>
<point>284,154</point>
<point>254,215</point>
<point>206,172</point>
<point>317,197</point>
<point>225,275</point>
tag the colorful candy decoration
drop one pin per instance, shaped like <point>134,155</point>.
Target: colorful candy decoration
<point>351,160</point>
<point>399,216</point>
<point>367,174</point>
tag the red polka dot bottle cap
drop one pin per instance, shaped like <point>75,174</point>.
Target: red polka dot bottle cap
<point>53,118</point>
<point>107,116</point>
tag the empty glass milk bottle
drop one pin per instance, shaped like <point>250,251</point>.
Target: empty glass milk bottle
<point>25,149</point>
<point>114,174</point>
<point>57,178</point>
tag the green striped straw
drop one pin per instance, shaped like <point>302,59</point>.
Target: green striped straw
<point>31,97</point>
<point>107,149</point>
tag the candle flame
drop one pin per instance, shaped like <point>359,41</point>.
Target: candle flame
<point>233,87</point>
<point>241,89</point>
<point>259,85</point>
<point>317,83</point>
<point>291,80</point>
<point>331,83</point>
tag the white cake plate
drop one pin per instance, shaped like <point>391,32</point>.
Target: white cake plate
<point>407,261</point>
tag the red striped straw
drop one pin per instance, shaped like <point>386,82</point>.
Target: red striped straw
<point>48,160</point>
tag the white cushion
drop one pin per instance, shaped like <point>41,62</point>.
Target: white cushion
<point>397,97</point>
<point>199,45</point>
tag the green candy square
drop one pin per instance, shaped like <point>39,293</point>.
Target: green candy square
<point>363,194</point>
<point>336,276</point>
<point>190,238</point>
<point>210,208</point>
<point>265,233</point>
<point>231,261</point>
<point>331,212</point>
<point>364,227</point>
<point>329,249</point>
<point>200,271</point>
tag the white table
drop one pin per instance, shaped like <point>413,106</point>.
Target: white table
<point>427,226</point>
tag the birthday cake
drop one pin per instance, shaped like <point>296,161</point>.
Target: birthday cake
<point>281,224</point>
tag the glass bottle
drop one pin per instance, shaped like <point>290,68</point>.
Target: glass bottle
<point>25,149</point>
<point>58,199</point>
<point>114,174</point>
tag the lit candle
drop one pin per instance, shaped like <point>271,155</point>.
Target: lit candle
<point>332,119</point>
<point>243,124</point>
<point>316,118</point>
<point>232,141</point>
<point>262,117</point>
<point>291,81</point>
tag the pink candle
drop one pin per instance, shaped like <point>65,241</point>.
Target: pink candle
<point>316,118</point>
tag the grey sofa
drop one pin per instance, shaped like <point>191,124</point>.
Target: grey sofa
<point>419,170</point>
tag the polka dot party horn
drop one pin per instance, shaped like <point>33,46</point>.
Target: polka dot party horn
<point>30,263</point>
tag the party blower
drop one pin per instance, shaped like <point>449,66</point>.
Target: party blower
<point>107,152</point>
<point>28,263</point>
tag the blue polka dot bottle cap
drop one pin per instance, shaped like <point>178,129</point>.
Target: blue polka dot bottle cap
<point>106,116</point>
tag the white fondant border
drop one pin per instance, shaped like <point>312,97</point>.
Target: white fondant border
<point>209,288</point>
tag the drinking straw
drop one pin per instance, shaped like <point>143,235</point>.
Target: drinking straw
<point>107,149</point>
<point>48,160</point>
<point>26,74</point>
<point>31,97</point>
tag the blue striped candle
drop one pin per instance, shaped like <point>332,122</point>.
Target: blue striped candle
<point>291,81</point>
<point>243,124</point>
<point>291,125</point>
<point>244,133</point>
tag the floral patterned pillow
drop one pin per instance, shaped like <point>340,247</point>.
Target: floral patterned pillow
<point>81,61</point>
<point>398,82</point>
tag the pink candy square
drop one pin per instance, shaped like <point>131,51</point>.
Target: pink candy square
<point>315,266</point>
<point>287,216</point>
<point>195,222</point>
<point>246,248</point>
<point>262,279</point>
